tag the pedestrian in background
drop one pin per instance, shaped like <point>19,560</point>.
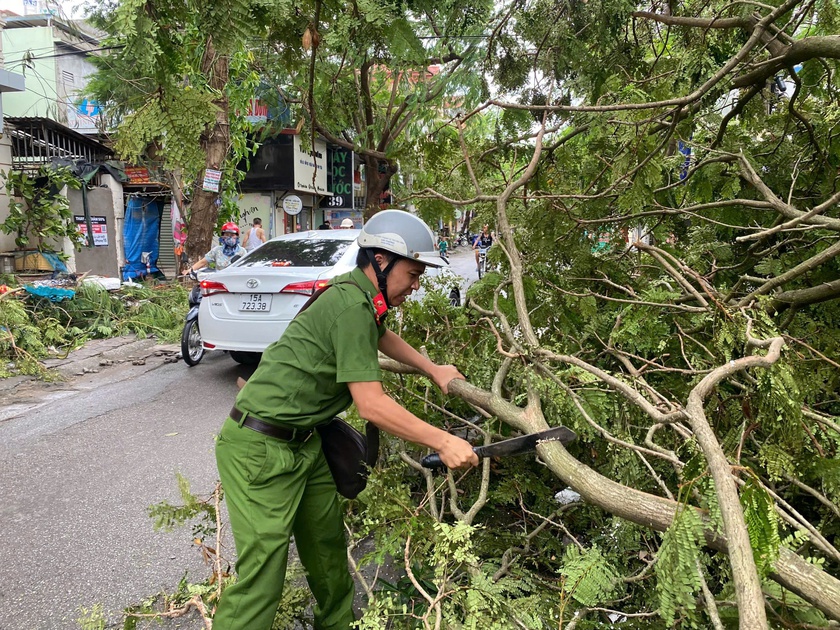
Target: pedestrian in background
<point>443,246</point>
<point>255,236</point>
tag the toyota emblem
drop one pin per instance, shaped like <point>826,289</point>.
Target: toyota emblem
<point>252,283</point>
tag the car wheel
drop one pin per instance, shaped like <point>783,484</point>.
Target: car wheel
<point>246,358</point>
<point>192,350</point>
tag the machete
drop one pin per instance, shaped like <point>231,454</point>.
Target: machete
<point>513,446</point>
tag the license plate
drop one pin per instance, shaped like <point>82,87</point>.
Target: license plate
<point>256,302</point>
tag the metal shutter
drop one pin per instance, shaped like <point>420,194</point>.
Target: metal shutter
<point>166,254</point>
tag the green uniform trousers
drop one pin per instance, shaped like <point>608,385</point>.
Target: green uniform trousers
<point>274,489</point>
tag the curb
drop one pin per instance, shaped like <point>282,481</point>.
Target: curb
<point>106,352</point>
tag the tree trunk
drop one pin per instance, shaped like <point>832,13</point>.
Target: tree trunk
<point>203,211</point>
<point>744,574</point>
<point>376,183</point>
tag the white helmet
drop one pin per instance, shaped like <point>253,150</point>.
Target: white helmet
<point>347,223</point>
<point>403,234</point>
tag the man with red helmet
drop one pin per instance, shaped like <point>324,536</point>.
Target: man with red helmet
<point>220,256</point>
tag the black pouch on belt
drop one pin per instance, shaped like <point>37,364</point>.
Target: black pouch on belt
<point>349,454</point>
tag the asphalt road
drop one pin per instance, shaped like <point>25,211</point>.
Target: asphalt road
<point>80,467</point>
<point>82,461</point>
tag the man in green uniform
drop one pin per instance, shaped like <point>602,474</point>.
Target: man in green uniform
<point>276,480</point>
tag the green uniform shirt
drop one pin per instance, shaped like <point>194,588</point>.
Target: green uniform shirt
<point>302,378</point>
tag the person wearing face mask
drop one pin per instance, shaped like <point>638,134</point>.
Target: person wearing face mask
<point>220,256</point>
<point>276,479</point>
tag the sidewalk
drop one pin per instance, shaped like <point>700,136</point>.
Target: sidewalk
<point>96,355</point>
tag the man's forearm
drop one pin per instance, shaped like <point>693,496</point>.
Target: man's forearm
<point>389,416</point>
<point>394,347</point>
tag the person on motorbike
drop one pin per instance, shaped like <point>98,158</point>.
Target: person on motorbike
<point>277,482</point>
<point>483,241</point>
<point>221,256</point>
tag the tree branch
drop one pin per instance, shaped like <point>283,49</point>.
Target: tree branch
<point>791,274</point>
<point>827,47</point>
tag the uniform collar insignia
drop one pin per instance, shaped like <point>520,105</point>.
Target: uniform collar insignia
<point>380,307</point>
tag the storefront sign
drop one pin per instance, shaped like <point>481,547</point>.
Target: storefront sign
<point>99,226</point>
<point>292,204</point>
<point>257,111</point>
<point>340,179</point>
<point>308,164</point>
<point>137,175</point>
<point>211,180</point>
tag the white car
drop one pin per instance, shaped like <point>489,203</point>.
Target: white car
<point>247,306</point>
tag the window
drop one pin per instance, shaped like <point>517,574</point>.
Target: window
<point>298,253</point>
<point>67,77</point>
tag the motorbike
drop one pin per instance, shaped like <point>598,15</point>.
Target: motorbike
<point>192,348</point>
<point>482,261</point>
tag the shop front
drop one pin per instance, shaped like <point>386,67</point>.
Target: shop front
<point>285,185</point>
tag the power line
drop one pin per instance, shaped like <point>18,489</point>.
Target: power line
<point>24,60</point>
<point>78,52</point>
<point>453,37</point>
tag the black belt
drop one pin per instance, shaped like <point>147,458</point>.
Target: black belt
<point>272,430</point>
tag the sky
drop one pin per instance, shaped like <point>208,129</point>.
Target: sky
<point>67,8</point>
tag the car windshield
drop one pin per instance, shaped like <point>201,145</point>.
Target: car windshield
<point>297,253</point>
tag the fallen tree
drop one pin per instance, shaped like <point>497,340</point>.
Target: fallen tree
<point>667,255</point>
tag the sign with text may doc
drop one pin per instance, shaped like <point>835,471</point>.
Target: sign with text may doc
<point>340,179</point>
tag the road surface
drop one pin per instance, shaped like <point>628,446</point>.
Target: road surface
<point>82,461</point>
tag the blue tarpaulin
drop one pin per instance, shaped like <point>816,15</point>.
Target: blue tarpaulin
<point>55,262</point>
<point>53,294</point>
<point>140,235</point>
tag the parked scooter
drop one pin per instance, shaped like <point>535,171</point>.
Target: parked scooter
<point>192,348</point>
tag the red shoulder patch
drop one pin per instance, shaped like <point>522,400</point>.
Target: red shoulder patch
<point>379,306</point>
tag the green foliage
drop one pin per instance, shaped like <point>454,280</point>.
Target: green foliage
<point>91,618</point>
<point>588,577</point>
<point>762,525</point>
<point>677,580</point>
<point>35,328</point>
<point>21,340</point>
<point>181,118</point>
<point>295,601</point>
<point>39,215</point>
<point>200,512</point>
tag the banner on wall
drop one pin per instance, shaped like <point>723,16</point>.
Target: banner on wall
<point>99,226</point>
<point>309,163</point>
<point>255,206</point>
